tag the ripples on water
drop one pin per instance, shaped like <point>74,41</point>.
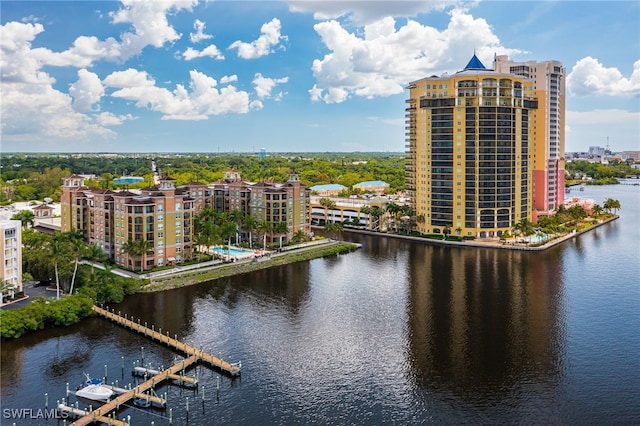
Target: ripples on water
<point>397,332</point>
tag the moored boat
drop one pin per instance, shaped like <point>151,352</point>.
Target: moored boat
<point>94,390</point>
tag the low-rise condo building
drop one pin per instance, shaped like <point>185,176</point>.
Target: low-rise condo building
<point>165,215</point>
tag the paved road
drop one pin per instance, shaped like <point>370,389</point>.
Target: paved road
<point>32,291</point>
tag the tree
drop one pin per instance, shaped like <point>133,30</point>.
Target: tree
<point>94,253</point>
<point>26,217</point>
<point>611,204</point>
<point>226,231</point>
<point>236,217</point>
<point>136,249</point>
<point>597,210</point>
<point>333,229</point>
<point>58,253</point>
<point>447,230</point>
<point>78,248</point>
<point>524,227</point>
<point>263,229</point>
<point>281,228</point>
<point>250,223</point>
<point>327,203</point>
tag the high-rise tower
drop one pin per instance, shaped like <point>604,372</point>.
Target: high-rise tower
<point>468,151</point>
<point>547,161</point>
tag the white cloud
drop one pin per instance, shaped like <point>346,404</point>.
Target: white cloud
<point>31,108</point>
<point>602,116</point>
<point>199,35</point>
<point>269,37</point>
<point>33,112</point>
<point>384,59</point>
<point>228,79</point>
<point>590,78</point>
<point>109,119</point>
<point>87,91</point>
<point>365,12</point>
<point>150,28</point>
<point>265,85</point>
<point>202,100</point>
<point>17,61</point>
<point>211,51</point>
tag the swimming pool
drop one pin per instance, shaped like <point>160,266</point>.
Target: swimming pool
<point>233,252</point>
<point>537,238</point>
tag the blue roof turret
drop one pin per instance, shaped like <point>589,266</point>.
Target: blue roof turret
<point>475,64</point>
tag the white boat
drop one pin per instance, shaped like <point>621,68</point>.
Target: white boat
<point>93,389</point>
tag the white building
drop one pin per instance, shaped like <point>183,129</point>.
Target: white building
<point>11,257</point>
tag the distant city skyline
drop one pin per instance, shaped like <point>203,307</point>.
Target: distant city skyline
<point>298,76</point>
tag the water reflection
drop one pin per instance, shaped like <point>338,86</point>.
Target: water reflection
<point>483,321</point>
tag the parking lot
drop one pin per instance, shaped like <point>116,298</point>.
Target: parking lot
<point>31,291</point>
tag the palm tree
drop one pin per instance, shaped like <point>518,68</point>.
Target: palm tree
<point>78,248</point>
<point>24,216</point>
<point>208,234</point>
<point>236,217</point>
<point>95,254</point>
<point>376,213</point>
<point>263,229</point>
<point>57,253</point>
<point>226,231</point>
<point>365,210</point>
<point>137,248</point>
<point>394,210</point>
<point>250,223</point>
<point>332,229</point>
<point>144,247</point>
<point>447,231</point>
<point>327,203</point>
<point>524,227</point>
<point>281,228</point>
<point>597,210</point>
<point>611,204</point>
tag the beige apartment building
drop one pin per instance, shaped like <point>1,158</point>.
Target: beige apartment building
<point>469,148</point>
<point>11,257</point>
<point>548,139</point>
<point>164,215</point>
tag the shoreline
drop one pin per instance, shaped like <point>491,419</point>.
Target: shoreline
<point>488,243</point>
<point>210,273</point>
<point>329,248</point>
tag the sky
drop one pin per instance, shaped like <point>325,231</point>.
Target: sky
<point>290,76</point>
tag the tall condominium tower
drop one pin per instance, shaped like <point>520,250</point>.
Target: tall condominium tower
<point>547,160</point>
<point>468,151</point>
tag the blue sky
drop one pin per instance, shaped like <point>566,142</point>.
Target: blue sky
<point>291,76</point>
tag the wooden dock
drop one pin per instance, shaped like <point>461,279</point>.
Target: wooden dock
<point>99,414</point>
<point>75,412</point>
<point>230,368</point>
<point>153,399</point>
<point>194,355</point>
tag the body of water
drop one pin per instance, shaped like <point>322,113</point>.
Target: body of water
<point>397,332</point>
